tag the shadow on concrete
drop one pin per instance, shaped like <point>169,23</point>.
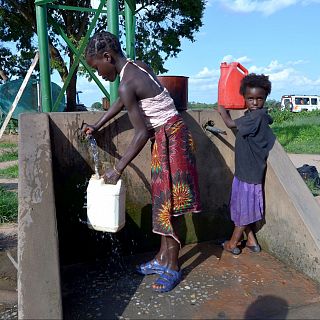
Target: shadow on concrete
<point>93,261</point>
<point>98,291</point>
<point>267,306</point>
<point>112,130</point>
<point>213,222</point>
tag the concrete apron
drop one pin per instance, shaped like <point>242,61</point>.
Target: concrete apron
<point>49,152</point>
<point>215,285</point>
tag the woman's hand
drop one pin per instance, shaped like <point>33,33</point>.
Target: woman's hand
<point>88,129</point>
<point>111,176</point>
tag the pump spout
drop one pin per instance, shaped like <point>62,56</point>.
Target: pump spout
<point>209,126</point>
<point>215,130</point>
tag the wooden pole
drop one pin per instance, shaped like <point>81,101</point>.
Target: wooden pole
<point>19,94</point>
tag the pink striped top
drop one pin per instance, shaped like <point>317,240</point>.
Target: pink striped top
<point>156,110</point>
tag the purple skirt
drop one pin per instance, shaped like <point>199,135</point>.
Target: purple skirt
<point>246,204</point>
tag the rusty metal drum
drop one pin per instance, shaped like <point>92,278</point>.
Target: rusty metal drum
<point>178,88</point>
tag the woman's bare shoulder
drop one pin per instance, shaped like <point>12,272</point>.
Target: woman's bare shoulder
<point>144,65</point>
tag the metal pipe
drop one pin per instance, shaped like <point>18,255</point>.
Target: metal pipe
<point>44,61</point>
<point>129,13</point>
<point>113,27</point>
<point>215,130</point>
<point>84,63</point>
<point>78,54</point>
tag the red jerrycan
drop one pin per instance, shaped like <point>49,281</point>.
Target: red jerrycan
<point>231,75</point>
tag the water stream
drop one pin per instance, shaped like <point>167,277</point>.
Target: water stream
<point>94,150</point>
<point>108,242</point>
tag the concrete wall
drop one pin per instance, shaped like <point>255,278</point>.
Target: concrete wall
<point>73,166</point>
<point>54,171</point>
<point>292,223</point>
<point>39,293</point>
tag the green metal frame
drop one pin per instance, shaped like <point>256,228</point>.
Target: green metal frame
<point>113,27</point>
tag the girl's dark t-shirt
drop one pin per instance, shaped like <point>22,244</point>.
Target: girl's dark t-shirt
<point>254,140</point>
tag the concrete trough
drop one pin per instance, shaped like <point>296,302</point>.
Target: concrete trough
<point>54,167</point>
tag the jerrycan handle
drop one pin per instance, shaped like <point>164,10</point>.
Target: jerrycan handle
<point>242,68</point>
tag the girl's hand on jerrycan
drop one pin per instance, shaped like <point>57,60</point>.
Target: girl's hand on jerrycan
<point>111,176</point>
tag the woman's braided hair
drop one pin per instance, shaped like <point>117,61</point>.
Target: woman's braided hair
<point>253,80</point>
<point>101,42</point>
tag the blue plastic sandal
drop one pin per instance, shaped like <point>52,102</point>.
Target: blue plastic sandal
<point>255,248</point>
<point>235,251</point>
<point>168,280</point>
<point>150,267</point>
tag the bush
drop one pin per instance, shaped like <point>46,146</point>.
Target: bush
<point>272,105</point>
<point>10,172</point>
<point>9,155</point>
<point>8,206</point>
<point>279,116</point>
<point>201,105</point>
<point>12,126</point>
<point>97,106</point>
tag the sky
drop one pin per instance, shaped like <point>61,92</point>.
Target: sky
<point>278,38</point>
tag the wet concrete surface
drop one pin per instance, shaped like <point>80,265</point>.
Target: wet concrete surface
<point>215,285</point>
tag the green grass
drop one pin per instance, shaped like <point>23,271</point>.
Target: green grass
<point>8,145</point>
<point>313,189</point>
<point>299,139</point>
<point>298,133</point>
<point>9,155</point>
<point>8,206</point>
<point>10,172</point>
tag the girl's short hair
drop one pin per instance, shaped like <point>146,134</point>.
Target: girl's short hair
<point>253,80</point>
<point>101,42</point>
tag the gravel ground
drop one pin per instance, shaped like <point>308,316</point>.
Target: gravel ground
<point>9,313</point>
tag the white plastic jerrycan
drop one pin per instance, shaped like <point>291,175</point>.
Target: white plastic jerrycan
<point>105,205</point>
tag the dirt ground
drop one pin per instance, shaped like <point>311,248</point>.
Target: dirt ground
<point>8,271</point>
<point>300,159</point>
<point>8,250</point>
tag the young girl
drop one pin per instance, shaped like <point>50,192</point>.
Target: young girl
<point>153,115</point>
<point>254,139</point>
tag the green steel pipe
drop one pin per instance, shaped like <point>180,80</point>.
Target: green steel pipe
<point>130,29</point>
<point>132,4</point>
<point>44,60</point>
<point>72,8</point>
<point>41,2</point>
<point>78,55</point>
<point>84,63</point>
<point>113,27</point>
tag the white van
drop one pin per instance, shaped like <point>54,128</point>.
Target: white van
<point>298,103</point>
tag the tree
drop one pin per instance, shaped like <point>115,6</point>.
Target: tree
<point>272,104</point>
<point>160,27</point>
<point>97,106</point>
